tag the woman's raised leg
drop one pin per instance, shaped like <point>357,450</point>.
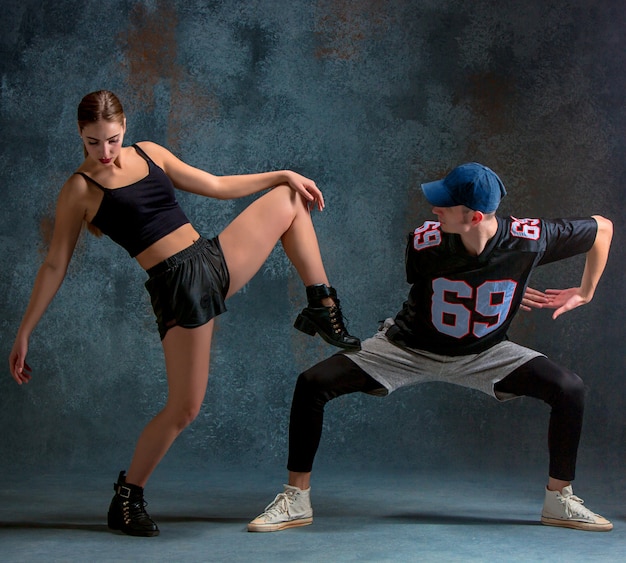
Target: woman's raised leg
<point>282,214</point>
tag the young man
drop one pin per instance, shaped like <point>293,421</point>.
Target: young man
<point>468,273</point>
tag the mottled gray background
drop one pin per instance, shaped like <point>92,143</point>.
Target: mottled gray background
<point>369,98</point>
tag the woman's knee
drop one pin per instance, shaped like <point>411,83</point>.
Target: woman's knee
<point>282,193</point>
<point>286,196</point>
<point>183,415</point>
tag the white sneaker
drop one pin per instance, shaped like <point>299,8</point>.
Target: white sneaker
<point>566,509</point>
<point>289,509</point>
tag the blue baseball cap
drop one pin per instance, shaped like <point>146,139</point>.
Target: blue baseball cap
<point>473,185</point>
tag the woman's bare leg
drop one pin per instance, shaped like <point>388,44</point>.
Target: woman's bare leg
<point>187,353</point>
<point>280,214</point>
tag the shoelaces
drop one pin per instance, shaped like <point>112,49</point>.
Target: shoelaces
<point>336,319</point>
<point>279,504</point>
<point>137,509</point>
<point>576,508</point>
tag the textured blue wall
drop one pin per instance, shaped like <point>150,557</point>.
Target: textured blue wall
<point>369,98</point>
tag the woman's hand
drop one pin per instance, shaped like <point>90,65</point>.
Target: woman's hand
<point>307,189</point>
<point>20,370</point>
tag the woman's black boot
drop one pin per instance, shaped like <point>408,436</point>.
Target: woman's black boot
<point>128,510</point>
<point>326,321</point>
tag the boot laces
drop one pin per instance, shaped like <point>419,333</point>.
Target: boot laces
<point>337,319</point>
<point>136,509</point>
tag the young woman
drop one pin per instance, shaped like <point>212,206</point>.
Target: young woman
<point>128,194</point>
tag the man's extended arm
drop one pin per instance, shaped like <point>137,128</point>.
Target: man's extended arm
<point>564,300</point>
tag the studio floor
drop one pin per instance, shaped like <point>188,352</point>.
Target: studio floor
<point>367,515</point>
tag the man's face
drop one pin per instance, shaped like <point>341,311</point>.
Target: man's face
<point>457,219</point>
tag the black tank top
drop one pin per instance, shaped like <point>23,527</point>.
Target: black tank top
<point>138,215</point>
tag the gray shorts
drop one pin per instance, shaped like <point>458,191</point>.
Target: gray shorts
<point>395,367</point>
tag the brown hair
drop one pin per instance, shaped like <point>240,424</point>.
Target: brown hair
<point>99,105</point>
<point>95,106</point>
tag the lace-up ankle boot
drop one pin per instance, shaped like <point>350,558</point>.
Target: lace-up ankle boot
<point>127,512</point>
<point>325,321</point>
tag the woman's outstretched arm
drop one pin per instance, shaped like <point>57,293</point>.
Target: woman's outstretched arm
<point>68,221</point>
<point>191,179</point>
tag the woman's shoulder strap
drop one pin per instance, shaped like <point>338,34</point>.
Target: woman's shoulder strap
<point>141,152</point>
<point>89,179</point>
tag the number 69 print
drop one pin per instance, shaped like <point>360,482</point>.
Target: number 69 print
<point>492,299</point>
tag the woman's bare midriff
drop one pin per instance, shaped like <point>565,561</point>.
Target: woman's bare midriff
<point>169,245</point>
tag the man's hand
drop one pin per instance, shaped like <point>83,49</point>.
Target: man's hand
<point>535,299</point>
<point>562,300</point>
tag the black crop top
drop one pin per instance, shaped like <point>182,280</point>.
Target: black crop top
<point>138,215</point>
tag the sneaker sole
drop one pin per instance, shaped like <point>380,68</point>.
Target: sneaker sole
<point>576,524</point>
<point>280,526</point>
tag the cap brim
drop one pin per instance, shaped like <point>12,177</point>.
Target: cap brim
<point>437,194</point>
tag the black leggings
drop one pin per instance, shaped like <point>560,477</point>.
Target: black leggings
<point>539,378</point>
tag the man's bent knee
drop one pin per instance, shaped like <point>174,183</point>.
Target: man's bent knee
<point>335,376</point>
<point>572,387</point>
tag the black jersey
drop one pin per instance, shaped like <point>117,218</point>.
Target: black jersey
<point>461,304</point>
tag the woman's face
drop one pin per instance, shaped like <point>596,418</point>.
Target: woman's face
<point>103,140</point>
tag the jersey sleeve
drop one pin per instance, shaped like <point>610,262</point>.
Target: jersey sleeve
<point>567,237</point>
<point>426,236</point>
<point>409,260</point>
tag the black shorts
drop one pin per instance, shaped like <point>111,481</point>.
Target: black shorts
<point>188,289</point>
